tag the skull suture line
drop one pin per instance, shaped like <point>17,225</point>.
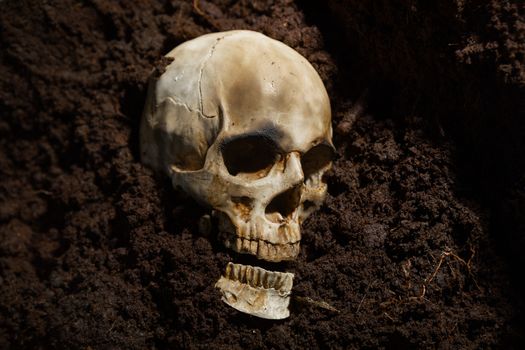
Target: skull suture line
<point>242,123</point>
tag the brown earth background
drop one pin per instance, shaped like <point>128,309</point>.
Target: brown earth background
<point>418,245</point>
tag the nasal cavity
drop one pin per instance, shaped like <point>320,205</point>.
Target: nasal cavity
<point>284,204</point>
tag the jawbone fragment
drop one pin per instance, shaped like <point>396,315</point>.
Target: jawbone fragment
<point>256,291</point>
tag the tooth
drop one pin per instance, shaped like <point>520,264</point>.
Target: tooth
<point>296,248</point>
<point>256,277</point>
<point>253,276</point>
<point>254,246</point>
<point>242,274</point>
<point>238,244</point>
<point>288,251</point>
<point>293,250</point>
<point>236,272</point>
<point>249,275</point>
<point>229,268</point>
<point>262,250</point>
<point>278,280</point>
<point>285,251</point>
<point>272,249</point>
<point>280,251</point>
<point>271,279</point>
<point>246,245</point>
<point>261,277</point>
<point>287,282</point>
<point>265,279</point>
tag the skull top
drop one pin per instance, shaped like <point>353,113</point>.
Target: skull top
<point>242,123</point>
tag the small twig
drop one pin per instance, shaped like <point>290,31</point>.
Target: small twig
<point>473,252</point>
<point>364,296</point>
<point>48,193</point>
<point>442,257</point>
<point>198,9</point>
<point>321,304</point>
<point>111,328</point>
<point>201,13</point>
<point>389,317</point>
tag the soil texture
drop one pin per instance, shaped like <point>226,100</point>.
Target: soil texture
<point>418,245</point>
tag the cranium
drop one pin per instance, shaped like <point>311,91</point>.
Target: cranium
<point>242,123</point>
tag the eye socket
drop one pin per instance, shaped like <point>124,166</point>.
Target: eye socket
<point>317,158</point>
<point>254,154</point>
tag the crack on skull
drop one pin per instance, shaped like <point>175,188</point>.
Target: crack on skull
<point>180,103</point>
<point>201,72</point>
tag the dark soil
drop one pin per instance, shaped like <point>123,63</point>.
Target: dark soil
<point>419,243</point>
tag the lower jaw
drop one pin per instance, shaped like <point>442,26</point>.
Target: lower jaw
<point>256,291</point>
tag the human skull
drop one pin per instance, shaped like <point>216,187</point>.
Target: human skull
<point>242,123</point>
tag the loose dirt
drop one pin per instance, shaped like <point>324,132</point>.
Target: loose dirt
<point>96,251</point>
